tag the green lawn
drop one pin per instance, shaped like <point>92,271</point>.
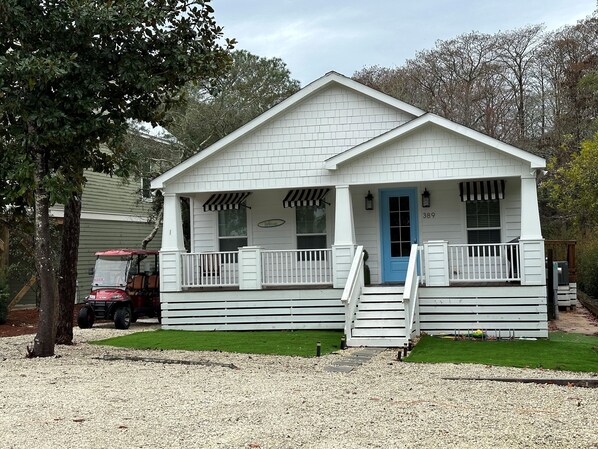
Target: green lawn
<point>561,351</point>
<point>298,343</point>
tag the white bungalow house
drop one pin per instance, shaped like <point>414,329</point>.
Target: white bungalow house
<point>283,208</point>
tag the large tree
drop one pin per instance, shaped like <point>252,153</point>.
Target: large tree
<point>251,86</point>
<point>213,109</point>
<point>71,79</point>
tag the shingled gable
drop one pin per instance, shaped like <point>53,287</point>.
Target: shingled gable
<point>331,78</point>
<point>423,120</point>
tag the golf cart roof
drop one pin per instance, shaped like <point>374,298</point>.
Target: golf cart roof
<point>126,252</point>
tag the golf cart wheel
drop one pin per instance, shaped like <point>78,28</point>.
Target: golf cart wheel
<point>122,317</point>
<point>86,317</point>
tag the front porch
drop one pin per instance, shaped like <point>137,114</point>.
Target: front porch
<point>440,285</point>
<point>449,289</point>
<point>255,268</point>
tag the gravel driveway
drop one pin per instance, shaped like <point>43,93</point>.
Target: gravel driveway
<point>77,401</point>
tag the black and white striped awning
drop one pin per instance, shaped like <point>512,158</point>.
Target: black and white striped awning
<point>226,201</point>
<point>304,197</point>
<point>482,190</point>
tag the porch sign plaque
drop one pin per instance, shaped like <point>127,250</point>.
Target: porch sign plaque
<point>271,223</point>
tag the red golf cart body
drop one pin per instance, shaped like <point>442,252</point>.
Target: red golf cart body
<point>125,286</point>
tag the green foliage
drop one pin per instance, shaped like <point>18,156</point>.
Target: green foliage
<point>587,266</point>
<point>572,187</point>
<point>73,77</point>
<point>251,86</point>
<point>295,343</point>
<point>561,351</point>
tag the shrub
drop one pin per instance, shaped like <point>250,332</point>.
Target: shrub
<point>587,267</point>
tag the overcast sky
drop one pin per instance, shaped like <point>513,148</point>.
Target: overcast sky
<point>315,36</point>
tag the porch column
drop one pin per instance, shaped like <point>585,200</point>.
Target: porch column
<point>343,248</point>
<point>531,241</point>
<point>172,244</point>
<point>250,268</point>
<point>436,263</point>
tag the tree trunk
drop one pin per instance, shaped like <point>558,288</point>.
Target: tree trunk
<point>43,343</point>
<point>67,276</point>
<point>154,231</point>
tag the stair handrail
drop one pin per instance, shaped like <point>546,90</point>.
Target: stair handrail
<point>353,288</point>
<point>411,292</point>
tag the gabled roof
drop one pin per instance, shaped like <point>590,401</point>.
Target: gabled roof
<point>428,118</point>
<point>327,80</point>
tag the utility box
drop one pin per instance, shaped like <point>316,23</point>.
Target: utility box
<point>563,272</point>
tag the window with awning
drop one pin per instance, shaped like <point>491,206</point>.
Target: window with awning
<point>483,216</point>
<point>226,201</point>
<point>305,197</point>
<point>489,190</point>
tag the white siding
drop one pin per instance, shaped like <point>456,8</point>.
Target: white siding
<point>253,310</point>
<point>204,235</point>
<point>265,205</point>
<point>449,221</point>
<point>430,153</point>
<point>169,274</point>
<point>516,311</point>
<point>367,228</point>
<point>290,150</point>
<point>445,218</point>
<point>511,210</point>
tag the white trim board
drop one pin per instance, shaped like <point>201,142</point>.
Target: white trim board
<point>101,216</point>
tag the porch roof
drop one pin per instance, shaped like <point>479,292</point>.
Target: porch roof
<point>403,130</point>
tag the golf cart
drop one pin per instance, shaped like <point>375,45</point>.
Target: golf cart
<point>125,286</point>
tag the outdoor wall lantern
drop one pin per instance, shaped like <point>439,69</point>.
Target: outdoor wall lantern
<point>369,201</point>
<point>426,198</point>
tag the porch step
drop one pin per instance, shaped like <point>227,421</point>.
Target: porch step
<point>380,318</point>
<point>384,342</point>
<point>383,290</point>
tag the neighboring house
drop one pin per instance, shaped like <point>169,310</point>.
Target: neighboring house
<point>282,209</point>
<point>112,216</point>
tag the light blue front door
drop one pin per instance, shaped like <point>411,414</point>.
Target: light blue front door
<point>398,209</point>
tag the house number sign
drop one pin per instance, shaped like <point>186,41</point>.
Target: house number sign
<point>271,223</point>
<point>429,214</point>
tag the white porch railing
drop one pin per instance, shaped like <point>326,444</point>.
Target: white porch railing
<point>352,291</point>
<point>421,264</point>
<point>215,269</point>
<point>411,294</point>
<point>493,262</point>
<point>297,267</point>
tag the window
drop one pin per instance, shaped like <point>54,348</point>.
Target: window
<point>400,226</point>
<point>483,223</point>
<point>232,229</point>
<point>311,227</point>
